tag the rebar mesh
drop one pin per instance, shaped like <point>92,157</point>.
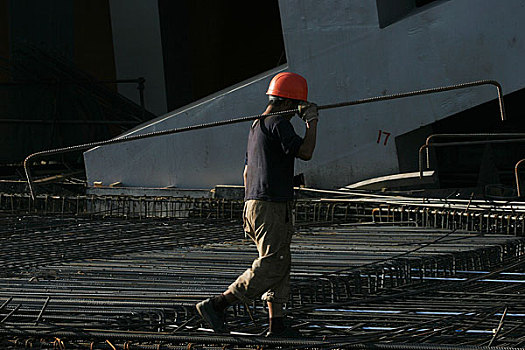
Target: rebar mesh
<point>88,279</point>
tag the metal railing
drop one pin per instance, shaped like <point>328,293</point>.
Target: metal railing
<point>425,147</point>
<point>461,136</point>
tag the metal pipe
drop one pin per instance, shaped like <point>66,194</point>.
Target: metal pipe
<point>251,118</point>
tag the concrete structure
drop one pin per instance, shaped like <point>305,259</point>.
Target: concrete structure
<point>347,51</point>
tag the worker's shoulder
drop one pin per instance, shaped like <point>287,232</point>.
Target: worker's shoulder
<point>275,120</point>
<point>277,125</point>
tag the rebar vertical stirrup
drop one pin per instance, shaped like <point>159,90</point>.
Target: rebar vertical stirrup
<point>516,174</point>
<point>251,118</point>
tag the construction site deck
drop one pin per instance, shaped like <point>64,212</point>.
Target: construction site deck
<point>370,271</point>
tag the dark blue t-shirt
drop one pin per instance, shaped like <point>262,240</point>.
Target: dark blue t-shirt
<point>270,155</point>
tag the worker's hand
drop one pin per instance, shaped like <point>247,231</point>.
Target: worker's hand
<point>308,112</point>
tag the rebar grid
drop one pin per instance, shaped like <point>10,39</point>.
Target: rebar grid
<point>33,241</point>
<point>464,310</point>
<point>135,282</point>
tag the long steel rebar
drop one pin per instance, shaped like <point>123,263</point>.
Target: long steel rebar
<point>251,118</point>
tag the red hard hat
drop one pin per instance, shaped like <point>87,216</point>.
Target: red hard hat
<point>288,85</point>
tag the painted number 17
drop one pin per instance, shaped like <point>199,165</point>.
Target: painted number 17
<point>383,135</point>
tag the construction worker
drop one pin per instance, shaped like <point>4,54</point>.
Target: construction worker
<point>268,179</point>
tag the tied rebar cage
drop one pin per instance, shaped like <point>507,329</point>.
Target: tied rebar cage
<point>368,270</point>
<point>85,280</point>
<point>483,217</point>
<point>121,206</point>
<point>494,221</point>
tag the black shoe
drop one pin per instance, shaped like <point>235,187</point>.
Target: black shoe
<point>214,318</point>
<point>287,332</point>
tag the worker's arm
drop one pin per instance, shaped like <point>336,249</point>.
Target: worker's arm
<point>306,150</point>
<point>309,113</point>
<point>245,174</point>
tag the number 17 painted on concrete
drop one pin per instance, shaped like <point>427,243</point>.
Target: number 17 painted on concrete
<point>380,136</point>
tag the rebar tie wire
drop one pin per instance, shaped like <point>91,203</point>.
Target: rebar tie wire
<point>254,117</point>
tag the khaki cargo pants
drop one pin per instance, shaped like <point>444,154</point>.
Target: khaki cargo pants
<point>269,225</point>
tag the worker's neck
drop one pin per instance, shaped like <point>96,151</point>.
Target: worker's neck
<point>275,109</point>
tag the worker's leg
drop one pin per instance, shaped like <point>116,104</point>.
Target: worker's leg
<point>275,310</point>
<point>278,294</point>
<point>275,318</point>
<point>268,225</point>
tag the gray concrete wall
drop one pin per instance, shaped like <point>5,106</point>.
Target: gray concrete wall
<point>348,57</point>
<point>186,160</point>
<point>339,47</point>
